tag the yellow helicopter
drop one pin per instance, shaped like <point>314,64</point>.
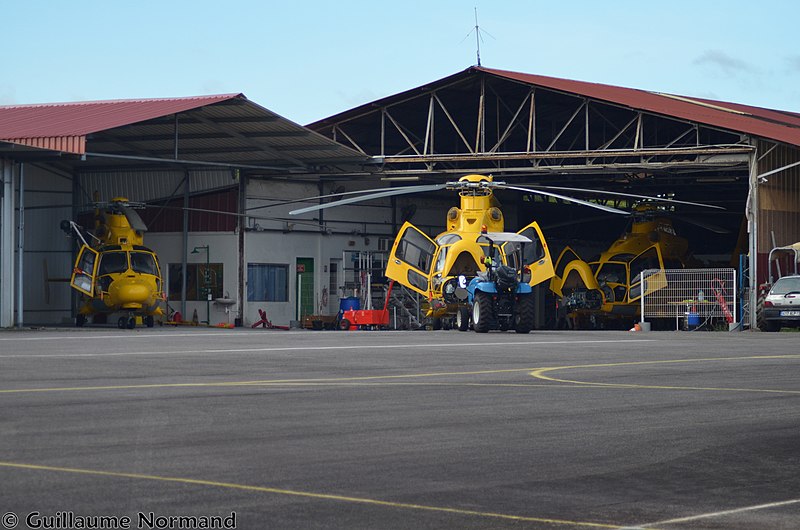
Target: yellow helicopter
<point>440,268</point>
<point>116,273</point>
<point>606,292</point>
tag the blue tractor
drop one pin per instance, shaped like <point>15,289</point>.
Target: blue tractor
<point>501,297</point>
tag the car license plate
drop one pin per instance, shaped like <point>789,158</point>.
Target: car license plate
<point>790,313</point>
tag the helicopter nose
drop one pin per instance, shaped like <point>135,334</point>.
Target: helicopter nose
<point>130,293</point>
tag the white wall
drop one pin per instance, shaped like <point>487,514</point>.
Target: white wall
<point>284,249</point>
<point>223,248</point>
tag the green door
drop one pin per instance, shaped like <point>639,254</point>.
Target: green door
<point>305,288</point>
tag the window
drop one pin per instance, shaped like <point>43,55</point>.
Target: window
<point>199,281</point>
<point>113,262</point>
<point>144,263</point>
<point>415,249</point>
<point>646,260</point>
<point>267,282</point>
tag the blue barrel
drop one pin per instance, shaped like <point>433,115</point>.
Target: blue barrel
<point>349,303</point>
<point>692,319</point>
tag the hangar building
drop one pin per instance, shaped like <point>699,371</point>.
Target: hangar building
<point>220,174</point>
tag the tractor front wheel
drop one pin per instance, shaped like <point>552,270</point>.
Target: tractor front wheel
<point>462,319</point>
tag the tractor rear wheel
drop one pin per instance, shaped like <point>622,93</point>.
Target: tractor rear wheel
<point>524,316</point>
<point>482,313</point>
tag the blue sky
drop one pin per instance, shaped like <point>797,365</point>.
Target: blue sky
<point>309,60</point>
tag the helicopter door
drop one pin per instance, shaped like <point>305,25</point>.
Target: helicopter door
<point>85,271</point>
<point>536,255</point>
<point>649,260</point>
<point>411,259</point>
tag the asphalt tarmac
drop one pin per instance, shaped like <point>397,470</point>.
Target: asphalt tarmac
<point>185,427</point>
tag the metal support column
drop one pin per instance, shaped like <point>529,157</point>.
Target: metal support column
<point>21,246</point>
<point>184,271</point>
<point>752,213</point>
<point>241,290</point>
<point>7,244</point>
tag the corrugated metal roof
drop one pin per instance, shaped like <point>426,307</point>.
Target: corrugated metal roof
<point>225,128</point>
<point>64,126</point>
<point>766,123</point>
<point>783,126</point>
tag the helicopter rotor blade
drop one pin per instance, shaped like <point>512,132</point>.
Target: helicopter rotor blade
<point>566,198</point>
<point>378,195</point>
<point>236,214</point>
<point>134,219</point>
<point>574,222</point>
<point>628,195</point>
<point>708,226</point>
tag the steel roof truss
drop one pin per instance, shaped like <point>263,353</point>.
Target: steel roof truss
<point>337,129</point>
<point>569,122</point>
<point>452,122</point>
<point>511,123</point>
<point>401,131</point>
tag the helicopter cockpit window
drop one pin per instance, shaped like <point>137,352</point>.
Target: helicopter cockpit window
<point>533,251</point>
<point>621,257</point>
<point>646,260</point>
<point>415,250</point>
<point>612,273</point>
<point>143,262</point>
<point>448,239</point>
<point>113,262</point>
<point>440,259</point>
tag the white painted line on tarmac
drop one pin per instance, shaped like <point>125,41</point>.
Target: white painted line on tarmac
<point>315,348</point>
<point>723,513</point>
<point>122,335</point>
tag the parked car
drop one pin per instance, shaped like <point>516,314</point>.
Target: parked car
<point>782,304</point>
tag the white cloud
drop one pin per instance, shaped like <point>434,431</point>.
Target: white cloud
<point>729,65</point>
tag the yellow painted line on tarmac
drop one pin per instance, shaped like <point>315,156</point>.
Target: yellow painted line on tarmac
<point>267,382</point>
<point>310,495</point>
<point>539,373</point>
<point>310,347</point>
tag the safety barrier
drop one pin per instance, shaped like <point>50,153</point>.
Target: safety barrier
<point>693,297</point>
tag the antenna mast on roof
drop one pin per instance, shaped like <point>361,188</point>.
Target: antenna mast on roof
<point>477,37</point>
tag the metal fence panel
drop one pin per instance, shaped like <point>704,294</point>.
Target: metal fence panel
<point>690,294</point>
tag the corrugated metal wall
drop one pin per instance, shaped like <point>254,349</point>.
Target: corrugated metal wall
<point>201,219</point>
<point>779,197</point>
<point>210,190</point>
<point>151,185</point>
<point>49,252</point>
